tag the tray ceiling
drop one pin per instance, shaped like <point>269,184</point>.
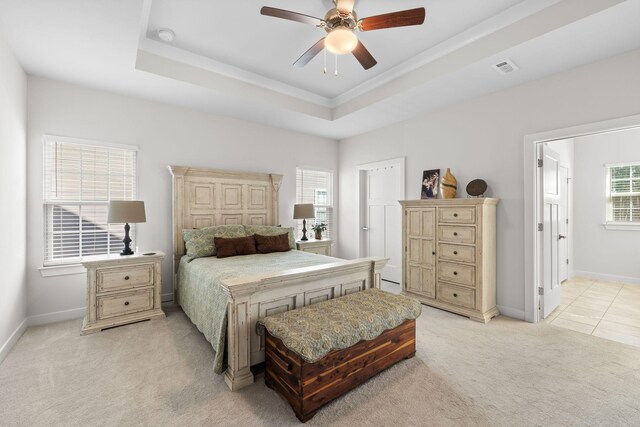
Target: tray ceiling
<point>227,59</point>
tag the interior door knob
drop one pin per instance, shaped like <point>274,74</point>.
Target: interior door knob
<point>365,228</point>
<point>560,237</point>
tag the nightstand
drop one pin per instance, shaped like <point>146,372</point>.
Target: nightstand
<point>320,247</point>
<point>122,289</point>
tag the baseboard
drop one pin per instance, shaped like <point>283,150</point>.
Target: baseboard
<point>13,339</point>
<point>167,298</point>
<point>58,316</point>
<point>607,277</point>
<point>511,312</point>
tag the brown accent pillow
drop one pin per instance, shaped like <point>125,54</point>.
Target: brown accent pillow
<point>233,246</point>
<point>268,244</point>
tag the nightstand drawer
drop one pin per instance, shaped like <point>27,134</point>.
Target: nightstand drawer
<point>124,303</point>
<point>457,273</point>
<point>125,277</point>
<point>463,215</point>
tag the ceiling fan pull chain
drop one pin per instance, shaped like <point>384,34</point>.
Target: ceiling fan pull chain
<point>336,65</point>
<point>325,60</point>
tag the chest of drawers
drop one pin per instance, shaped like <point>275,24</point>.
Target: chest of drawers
<point>449,257</point>
<point>121,290</point>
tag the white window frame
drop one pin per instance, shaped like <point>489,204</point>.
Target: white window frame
<point>609,224</point>
<point>330,201</point>
<point>73,266</point>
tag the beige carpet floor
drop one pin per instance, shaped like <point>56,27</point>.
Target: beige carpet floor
<point>159,373</point>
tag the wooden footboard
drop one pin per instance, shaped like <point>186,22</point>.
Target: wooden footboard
<point>254,297</point>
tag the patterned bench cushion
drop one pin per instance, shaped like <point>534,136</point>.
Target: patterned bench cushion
<point>314,331</point>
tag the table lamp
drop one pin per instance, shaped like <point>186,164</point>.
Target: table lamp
<point>127,211</point>
<point>304,211</point>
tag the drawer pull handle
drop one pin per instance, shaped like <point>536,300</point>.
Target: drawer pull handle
<point>455,233</point>
<point>455,273</point>
<point>455,215</point>
<point>289,367</point>
<point>455,295</point>
<point>433,253</point>
<point>455,252</point>
<point>126,277</point>
<point>126,303</point>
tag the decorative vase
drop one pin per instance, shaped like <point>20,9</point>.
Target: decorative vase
<point>318,235</point>
<point>449,185</point>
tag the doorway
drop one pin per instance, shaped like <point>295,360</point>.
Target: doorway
<point>380,187</point>
<point>536,238</point>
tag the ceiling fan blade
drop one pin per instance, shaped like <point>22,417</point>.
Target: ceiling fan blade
<point>395,19</point>
<point>310,54</point>
<point>363,56</point>
<point>291,16</point>
<point>345,6</point>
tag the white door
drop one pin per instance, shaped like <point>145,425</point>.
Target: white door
<point>549,181</point>
<point>563,225</point>
<point>383,217</point>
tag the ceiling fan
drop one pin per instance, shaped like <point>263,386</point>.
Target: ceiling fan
<point>340,24</point>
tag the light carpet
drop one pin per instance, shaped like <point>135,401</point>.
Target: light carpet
<point>465,373</point>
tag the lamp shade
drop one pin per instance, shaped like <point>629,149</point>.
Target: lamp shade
<point>303,211</point>
<point>129,211</point>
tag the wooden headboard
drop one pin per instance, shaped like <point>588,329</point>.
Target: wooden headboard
<point>206,197</point>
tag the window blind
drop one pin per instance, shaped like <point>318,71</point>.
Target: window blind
<point>316,186</point>
<point>79,181</point>
<point>624,193</point>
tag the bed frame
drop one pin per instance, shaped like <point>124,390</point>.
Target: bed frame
<point>207,197</point>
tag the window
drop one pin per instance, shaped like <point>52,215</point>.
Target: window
<point>623,193</point>
<point>316,186</point>
<point>79,180</point>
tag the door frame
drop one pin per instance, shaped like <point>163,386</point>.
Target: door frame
<point>361,196</point>
<point>531,198</point>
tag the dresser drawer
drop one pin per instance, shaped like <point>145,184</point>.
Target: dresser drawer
<point>456,234</point>
<point>456,295</point>
<point>462,215</point>
<point>457,273</point>
<point>457,253</point>
<point>124,303</point>
<point>125,277</point>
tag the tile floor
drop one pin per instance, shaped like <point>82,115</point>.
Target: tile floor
<point>604,309</point>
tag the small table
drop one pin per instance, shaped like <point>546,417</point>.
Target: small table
<point>122,290</point>
<point>320,247</point>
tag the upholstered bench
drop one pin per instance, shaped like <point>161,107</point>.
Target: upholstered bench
<point>317,353</point>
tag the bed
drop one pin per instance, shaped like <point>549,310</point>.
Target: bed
<point>226,297</point>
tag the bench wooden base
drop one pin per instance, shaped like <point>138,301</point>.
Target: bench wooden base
<point>309,386</point>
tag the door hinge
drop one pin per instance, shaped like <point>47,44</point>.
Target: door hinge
<point>567,220</point>
<point>540,163</point>
<point>540,226</point>
<point>540,290</point>
<point>567,261</point>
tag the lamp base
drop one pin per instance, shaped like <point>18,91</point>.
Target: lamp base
<point>127,240</point>
<point>304,231</point>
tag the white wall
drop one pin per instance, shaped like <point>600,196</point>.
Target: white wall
<point>13,199</point>
<point>565,150</point>
<point>602,253</point>
<point>484,138</point>
<point>165,135</point>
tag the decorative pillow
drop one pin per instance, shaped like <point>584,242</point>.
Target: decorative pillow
<point>268,244</point>
<point>234,246</point>
<point>271,230</point>
<point>200,241</point>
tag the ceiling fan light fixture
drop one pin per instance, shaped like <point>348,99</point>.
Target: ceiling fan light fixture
<point>341,41</point>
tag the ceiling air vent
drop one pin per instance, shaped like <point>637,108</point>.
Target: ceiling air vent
<point>505,67</point>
